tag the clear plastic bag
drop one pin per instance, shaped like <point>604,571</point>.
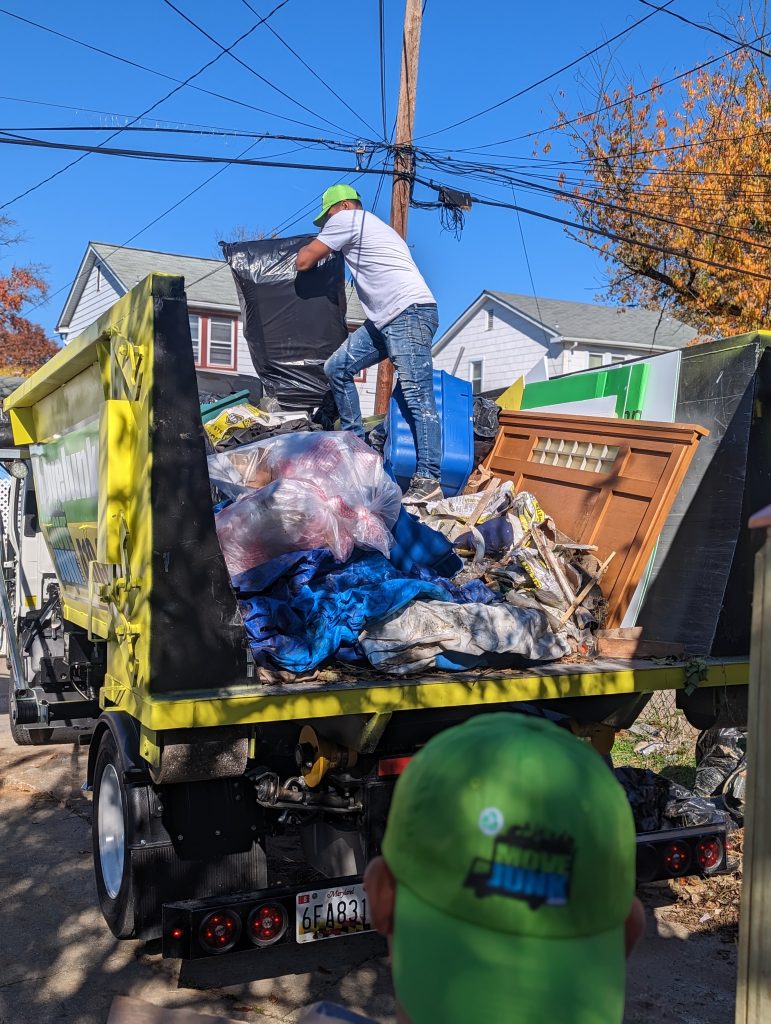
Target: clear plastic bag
<point>338,462</point>
<point>287,515</point>
<point>339,497</point>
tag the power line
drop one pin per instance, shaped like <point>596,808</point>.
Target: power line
<point>312,70</point>
<point>229,51</point>
<point>144,113</point>
<point>612,235</point>
<point>547,78</point>
<point>154,71</point>
<point>7,138</point>
<point>381,32</point>
<point>560,124</point>
<point>707,28</point>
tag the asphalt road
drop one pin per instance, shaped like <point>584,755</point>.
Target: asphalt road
<point>59,962</point>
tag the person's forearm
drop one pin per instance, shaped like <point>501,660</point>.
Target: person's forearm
<point>305,259</point>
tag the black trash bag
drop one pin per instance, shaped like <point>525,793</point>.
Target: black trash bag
<point>647,795</point>
<point>326,415</point>
<point>292,322</point>
<point>735,792</point>
<point>658,803</point>
<point>718,754</point>
<point>485,414</point>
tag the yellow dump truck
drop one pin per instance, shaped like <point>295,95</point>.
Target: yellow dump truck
<point>201,771</point>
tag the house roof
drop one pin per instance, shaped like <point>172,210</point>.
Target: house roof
<point>208,282</point>
<point>585,321</point>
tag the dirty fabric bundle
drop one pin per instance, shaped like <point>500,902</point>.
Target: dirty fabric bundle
<point>303,608</point>
<point>423,635</point>
<point>301,491</point>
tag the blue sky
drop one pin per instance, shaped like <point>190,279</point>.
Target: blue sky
<point>472,56</point>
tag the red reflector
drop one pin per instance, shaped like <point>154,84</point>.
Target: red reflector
<point>677,857</point>
<point>392,765</point>
<point>220,931</point>
<point>709,853</point>
<point>177,933</point>
<point>267,924</point>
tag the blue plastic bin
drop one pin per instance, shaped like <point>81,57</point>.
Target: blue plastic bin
<point>455,405</point>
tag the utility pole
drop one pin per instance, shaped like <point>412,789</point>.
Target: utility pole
<point>404,161</point>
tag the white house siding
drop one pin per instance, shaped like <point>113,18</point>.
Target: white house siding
<point>506,351</point>
<point>578,358</point>
<point>93,302</point>
<point>243,358</point>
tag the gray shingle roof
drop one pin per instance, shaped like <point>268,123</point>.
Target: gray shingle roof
<point>602,323</point>
<point>208,282</point>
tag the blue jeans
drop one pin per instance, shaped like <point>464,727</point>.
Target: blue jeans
<point>406,341</point>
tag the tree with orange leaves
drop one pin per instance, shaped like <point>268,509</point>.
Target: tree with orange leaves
<point>23,345</point>
<point>686,193</point>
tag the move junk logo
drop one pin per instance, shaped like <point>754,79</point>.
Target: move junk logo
<point>531,864</point>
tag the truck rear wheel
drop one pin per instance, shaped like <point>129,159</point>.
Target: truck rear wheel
<point>136,865</point>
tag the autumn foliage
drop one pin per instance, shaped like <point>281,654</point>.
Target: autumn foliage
<point>23,345</point>
<point>694,184</point>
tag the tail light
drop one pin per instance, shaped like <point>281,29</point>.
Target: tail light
<point>675,853</point>
<point>220,931</point>
<point>267,924</point>
<point>391,766</point>
<point>677,857</point>
<point>710,854</point>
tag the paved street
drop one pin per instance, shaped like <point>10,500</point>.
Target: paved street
<point>58,961</point>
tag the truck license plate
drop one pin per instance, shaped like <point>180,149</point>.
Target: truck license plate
<point>331,913</point>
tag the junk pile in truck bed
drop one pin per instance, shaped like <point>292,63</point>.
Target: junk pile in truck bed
<point>331,569</point>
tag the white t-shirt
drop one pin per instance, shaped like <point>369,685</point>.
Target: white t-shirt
<point>383,270</point>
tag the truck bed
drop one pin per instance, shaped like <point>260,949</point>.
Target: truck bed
<point>328,694</point>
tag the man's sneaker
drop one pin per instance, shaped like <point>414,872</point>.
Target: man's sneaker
<point>421,490</point>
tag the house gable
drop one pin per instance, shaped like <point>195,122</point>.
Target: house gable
<point>505,342</point>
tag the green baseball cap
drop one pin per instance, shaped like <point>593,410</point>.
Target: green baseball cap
<point>335,194</point>
<point>513,847</point>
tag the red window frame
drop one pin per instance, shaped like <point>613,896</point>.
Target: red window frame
<point>203,361</point>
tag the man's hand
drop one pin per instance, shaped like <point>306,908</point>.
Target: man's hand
<point>311,253</point>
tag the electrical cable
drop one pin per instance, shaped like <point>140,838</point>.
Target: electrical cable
<point>229,51</point>
<point>612,235</point>
<point>707,28</point>
<point>7,138</point>
<point>154,71</point>
<point>381,32</point>
<point>144,113</point>
<point>553,74</point>
<point>313,71</point>
<point>560,124</point>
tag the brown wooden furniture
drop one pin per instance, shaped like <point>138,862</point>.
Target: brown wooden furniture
<point>605,482</point>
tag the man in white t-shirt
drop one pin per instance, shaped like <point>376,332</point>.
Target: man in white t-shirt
<point>401,323</point>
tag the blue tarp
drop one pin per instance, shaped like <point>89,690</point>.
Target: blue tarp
<point>303,608</point>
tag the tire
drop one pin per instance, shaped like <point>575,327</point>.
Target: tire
<point>136,866</point>
<point>109,830</point>
<point>26,736</point>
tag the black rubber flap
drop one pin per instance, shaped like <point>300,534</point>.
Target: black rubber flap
<point>292,322</point>
<point>696,555</point>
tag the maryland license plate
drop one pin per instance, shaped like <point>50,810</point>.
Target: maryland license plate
<point>331,913</point>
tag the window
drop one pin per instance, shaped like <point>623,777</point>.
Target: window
<point>490,319</point>
<point>98,279</point>
<point>475,375</point>
<point>221,342</point>
<point>195,334</point>
<point>595,360</point>
<point>361,377</point>
<point>214,341</point>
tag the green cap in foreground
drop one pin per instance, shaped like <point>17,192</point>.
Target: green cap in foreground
<point>513,847</point>
<point>335,194</point>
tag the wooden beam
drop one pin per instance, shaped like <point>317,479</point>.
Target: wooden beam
<point>753,991</point>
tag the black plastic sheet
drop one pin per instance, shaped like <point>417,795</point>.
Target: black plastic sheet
<point>292,322</point>
<point>658,803</point>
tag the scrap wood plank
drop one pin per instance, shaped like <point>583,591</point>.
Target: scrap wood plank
<point>628,642</point>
